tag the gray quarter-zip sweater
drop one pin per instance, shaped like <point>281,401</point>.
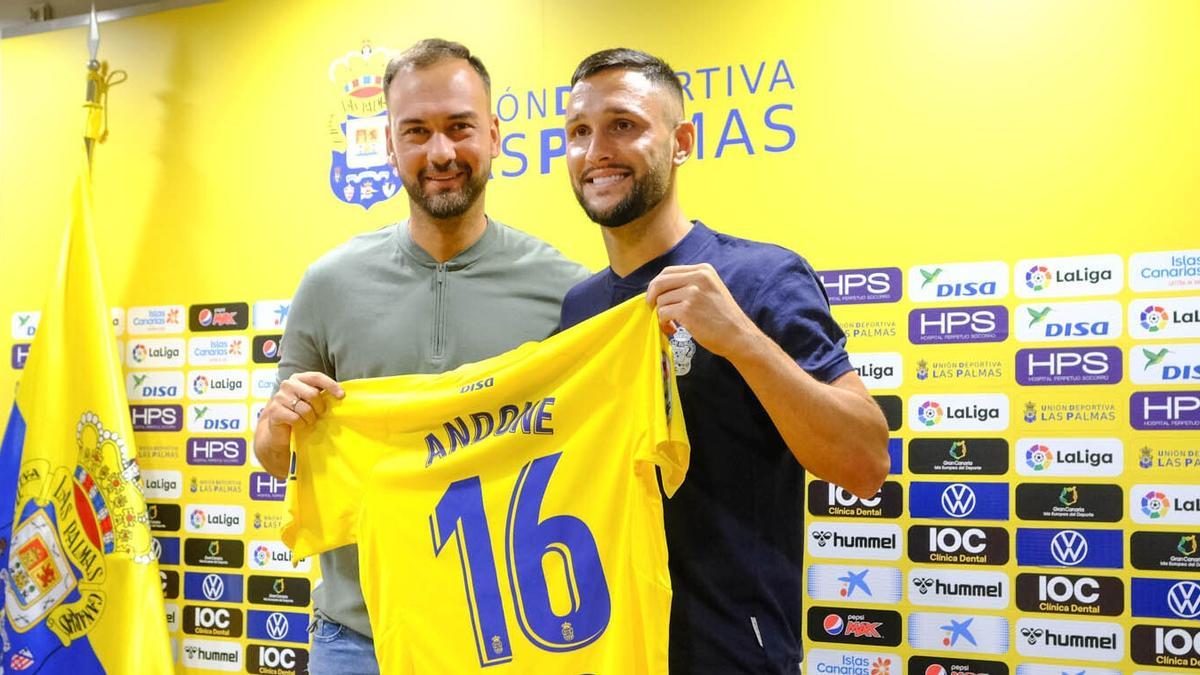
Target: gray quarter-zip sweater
<point>379,305</point>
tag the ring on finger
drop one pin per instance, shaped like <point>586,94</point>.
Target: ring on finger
<point>295,402</point>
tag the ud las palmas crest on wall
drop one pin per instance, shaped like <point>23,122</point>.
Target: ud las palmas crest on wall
<point>69,521</point>
<point>359,172</point>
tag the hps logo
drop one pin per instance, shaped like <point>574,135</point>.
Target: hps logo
<point>958,325</point>
<point>1069,366</point>
<point>1165,410</point>
<point>862,286</point>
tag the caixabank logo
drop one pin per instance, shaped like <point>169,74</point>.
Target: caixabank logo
<point>1069,277</point>
<point>879,370</point>
<point>1066,366</point>
<point>958,412</point>
<point>1164,318</point>
<point>267,348</point>
<point>970,633</point>
<point>949,665</point>
<point>277,626</point>
<point>219,316</point>
<point>1165,551</point>
<point>1158,645</point>
<point>827,499</point>
<point>844,662</point>
<point>965,501</point>
<point>856,541</point>
<point>967,456</point>
<point>212,621</point>
<point>271,314</point>
<point>1165,598</point>
<point>862,286</point>
<point>1077,502</point>
<point>973,589</point>
<point>161,320</point>
<point>854,583</point>
<point>1165,271</point>
<point>1068,321</point>
<point>212,587</point>
<point>279,591</point>
<point>276,660</point>
<point>1037,547</point>
<point>1165,410</point>
<point>1156,504</point>
<point>1065,639</point>
<point>957,325</point>
<point>863,627</point>
<point>1089,595</point>
<point>958,545</point>
<point>1174,363</point>
<point>1070,457</point>
<point>957,282</point>
<point>223,553</point>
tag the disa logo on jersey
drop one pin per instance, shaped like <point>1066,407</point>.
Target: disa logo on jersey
<point>1068,321</point>
<point>1068,277</point>
<point>950,282</point>
<point>25,324</point>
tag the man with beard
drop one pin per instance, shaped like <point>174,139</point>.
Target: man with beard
<point>448,286</point>
<point>766,387</point>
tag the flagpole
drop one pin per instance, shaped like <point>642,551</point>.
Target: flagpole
<point>99,79</point>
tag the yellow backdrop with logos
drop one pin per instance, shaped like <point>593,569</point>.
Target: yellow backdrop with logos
<point>910,135</point>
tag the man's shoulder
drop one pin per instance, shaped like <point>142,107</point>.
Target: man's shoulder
<point>739,251</point>
<point>521,253</point>
<point>520,244</point>
<point>352,254</point>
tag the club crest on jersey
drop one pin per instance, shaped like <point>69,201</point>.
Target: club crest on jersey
<point>684,348</point>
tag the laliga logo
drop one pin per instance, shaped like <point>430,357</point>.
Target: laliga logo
<point>930,413</point>
<point>1184,599</point>
<point>958,500</point>
<point>139,353</point>
<point>200,385</point>
<point>1038,277</point>
<point>197,519</point>
<point>277,626</point>
<point>260,555</point>
<point>1069,548</point>
<point>1039,457</point>
<point>1154,318</point>
<point>1155,504</point>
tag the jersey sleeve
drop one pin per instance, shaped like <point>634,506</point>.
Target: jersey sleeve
<point>791,307</point>
<point>670,451</point>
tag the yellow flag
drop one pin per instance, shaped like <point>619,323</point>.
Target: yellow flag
<point>82,592</point>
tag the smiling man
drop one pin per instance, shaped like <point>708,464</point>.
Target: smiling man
<point>446,287</point>
<point>766,387</point>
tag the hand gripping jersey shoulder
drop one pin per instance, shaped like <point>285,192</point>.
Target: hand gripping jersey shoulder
<point>507,513</point>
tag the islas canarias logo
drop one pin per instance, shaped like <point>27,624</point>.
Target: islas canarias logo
<point>70,520</point>
<point>359,172</point>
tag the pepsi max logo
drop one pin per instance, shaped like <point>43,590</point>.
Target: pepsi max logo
<point>854,626</point>
<point>216,317</point>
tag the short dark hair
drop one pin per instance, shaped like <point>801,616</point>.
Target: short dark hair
<point>653,68</point>
<point>433,51</point>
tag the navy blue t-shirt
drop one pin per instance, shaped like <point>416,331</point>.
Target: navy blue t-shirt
<point>735,529</point>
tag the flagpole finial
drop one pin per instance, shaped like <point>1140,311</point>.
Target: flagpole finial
<point>98,81</point>
<point>93,40</point>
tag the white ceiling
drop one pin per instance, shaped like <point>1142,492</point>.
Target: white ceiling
<point>16,12</point>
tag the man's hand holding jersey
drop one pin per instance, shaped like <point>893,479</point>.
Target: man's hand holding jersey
<point>297,403</point>
<point>812,416</point>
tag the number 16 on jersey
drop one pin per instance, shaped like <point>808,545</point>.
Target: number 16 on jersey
<point>551,623</point>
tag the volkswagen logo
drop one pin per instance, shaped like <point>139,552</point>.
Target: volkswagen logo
<point>1184,599</point>
<point>277,626</point>
<point>156,548</point>
<point>958,500</point>
<point>1069,547</point>
<point>213,587</point>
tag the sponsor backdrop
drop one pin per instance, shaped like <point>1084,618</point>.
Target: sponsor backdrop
<point>1000,199</point>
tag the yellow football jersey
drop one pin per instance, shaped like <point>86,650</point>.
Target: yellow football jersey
<point>507,513</point>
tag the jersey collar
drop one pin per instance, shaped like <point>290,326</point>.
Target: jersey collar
<point>685,252</point>
<point>485,243</point>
